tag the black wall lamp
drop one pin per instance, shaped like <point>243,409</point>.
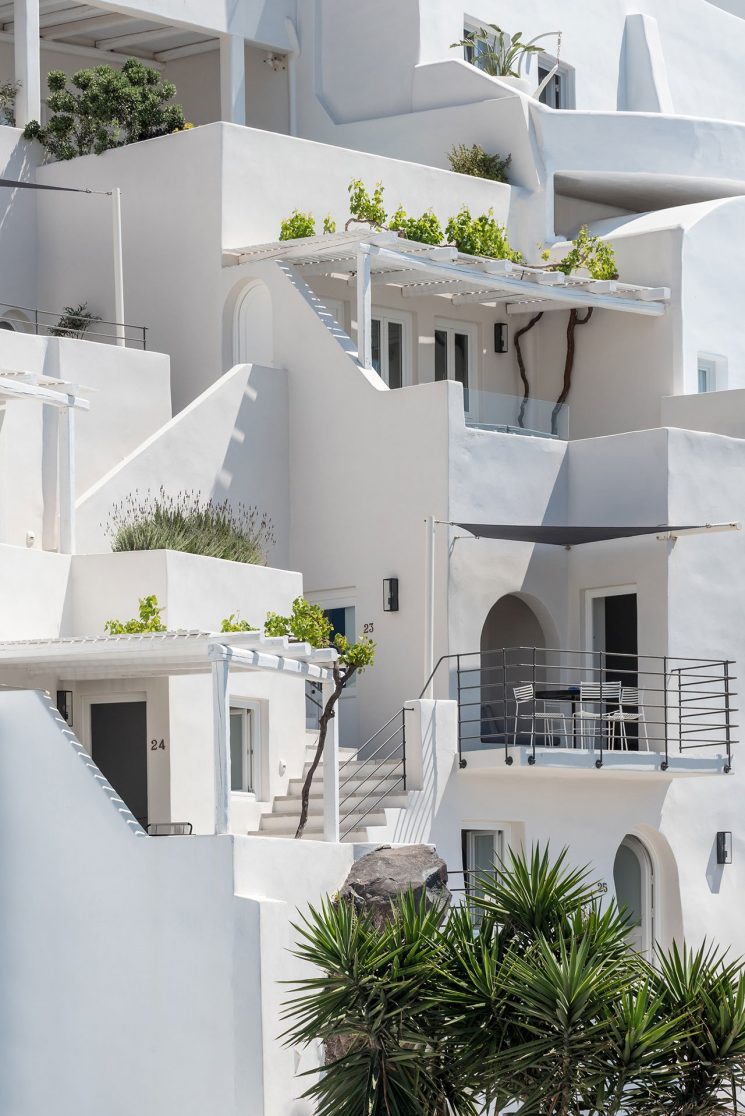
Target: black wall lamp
<point>390,594</point>
<point>501,337</point>
<point>724,847</point>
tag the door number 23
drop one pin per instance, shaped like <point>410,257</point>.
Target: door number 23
<point>368,629</point>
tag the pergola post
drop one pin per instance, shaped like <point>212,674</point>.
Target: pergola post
<point>364,306</point>
<point>26,45</point>
<point>331,773</point>
<point>67,480</point>
<point>233,79</point>
<point>221,723</point>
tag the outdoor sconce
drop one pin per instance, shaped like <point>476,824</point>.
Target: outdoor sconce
<point>500,337</point>
<point>724,847</point>
<point>390,594</point>
<point>64,705</point>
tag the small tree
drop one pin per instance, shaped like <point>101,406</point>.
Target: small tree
<point>106,108</point>
<point>74,322</point>
<point>308,623</point>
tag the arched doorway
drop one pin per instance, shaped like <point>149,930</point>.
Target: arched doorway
<point>513,643</point>
<point>253,332</point>
<point>633,878</point>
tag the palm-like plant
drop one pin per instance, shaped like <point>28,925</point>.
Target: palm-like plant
<point>537,1003</point>
<point>499,54</point>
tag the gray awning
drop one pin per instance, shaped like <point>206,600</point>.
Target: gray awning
<point>570,536</point>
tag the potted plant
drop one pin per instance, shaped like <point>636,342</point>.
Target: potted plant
<point>501,55</point>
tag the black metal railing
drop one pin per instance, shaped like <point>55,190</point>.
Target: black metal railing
<point>652,703</point>
<point>46,323</point>
<point>376,771</point>
<point>313,706</point>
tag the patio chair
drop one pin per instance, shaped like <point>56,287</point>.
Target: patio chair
<point>551,714</point>
<point>630,711</point>
<point>594,697</point>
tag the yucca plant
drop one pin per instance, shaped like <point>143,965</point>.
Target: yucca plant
<point>537,1005</point>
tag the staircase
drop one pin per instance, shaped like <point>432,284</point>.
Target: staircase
<point>367,788</point>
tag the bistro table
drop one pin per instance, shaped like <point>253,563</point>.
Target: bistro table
<point>563,693</point>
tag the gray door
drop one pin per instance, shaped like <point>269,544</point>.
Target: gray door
<point>119,749</point>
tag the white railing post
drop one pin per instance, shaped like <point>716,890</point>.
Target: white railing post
<point>364,307</point>
<point>67,480</point>
<point>331,772</point>
<point>27,61</point>
<point>220,713</point>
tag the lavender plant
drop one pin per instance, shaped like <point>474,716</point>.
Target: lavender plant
<point>190,523</point>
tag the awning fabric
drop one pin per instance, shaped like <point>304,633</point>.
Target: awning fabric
<point>563,536</point>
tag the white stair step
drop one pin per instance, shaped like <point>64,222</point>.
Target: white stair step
<point>382,785</point>
<point>278,824</point>
<point>290,804</point>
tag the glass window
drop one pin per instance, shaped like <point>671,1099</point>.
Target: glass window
<point>484,850</point>
<point>395,355</point>
<point>455,355</point>
<point>388,344</point>
<point>706,375</point>
<point>242,760</point>
<point>342,622</point>
<point>441,354</point>
<point>375,346</point>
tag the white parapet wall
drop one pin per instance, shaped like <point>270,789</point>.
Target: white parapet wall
<point>142,971</point>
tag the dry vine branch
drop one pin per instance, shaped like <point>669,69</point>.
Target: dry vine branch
<point>574,321</point>
<point>521,365</point>
<point>342,675</point>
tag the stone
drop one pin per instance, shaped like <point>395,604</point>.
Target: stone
<point>377,879</point>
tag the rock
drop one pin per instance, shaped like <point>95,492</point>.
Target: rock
<point>380,877</point>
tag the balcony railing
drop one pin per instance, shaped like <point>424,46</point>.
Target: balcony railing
<point>45,323</point>
<point>539,699</point>
<point>511,414</point>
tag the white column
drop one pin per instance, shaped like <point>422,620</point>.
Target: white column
<point>116,204</point>
<point>27,60</point>
<point>67,481</point>
<point>292,58</point>
<point>364,307</point>
<point>233,79</point>
<point>331,772</point>
<point>221,723</point>
<point>429,626</point>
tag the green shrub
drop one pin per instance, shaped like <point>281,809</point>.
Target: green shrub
<point>365,206</point>
<point>297,226</point>
<point>106,108</point>
<point>480,236</point>
<point>476,162</point>
<point>8,92</point>
<point>148,620</point>
<point>590,254</point>
<point>74,322</point>
<point>425,229</point>
<point>233,623</point>
<point>192,524</point>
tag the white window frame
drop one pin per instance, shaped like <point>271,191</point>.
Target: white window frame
<point>715,367</point>
<point>501,832</point>
<point>591,595</point>
<point>251,748</point>
<point>565,73</point>
<point>471,330</point>
<point>385,316</point>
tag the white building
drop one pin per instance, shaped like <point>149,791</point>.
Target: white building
<point>366,392</point>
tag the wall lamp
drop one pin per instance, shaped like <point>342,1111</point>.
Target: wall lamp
<point>724,847</point>
<point>390,594</point>
<point>501,337</point>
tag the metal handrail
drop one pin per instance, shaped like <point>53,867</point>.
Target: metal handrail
<point>42,328</point>
<point>364,778</point>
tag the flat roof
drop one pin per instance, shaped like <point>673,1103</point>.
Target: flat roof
<point>422,271</point>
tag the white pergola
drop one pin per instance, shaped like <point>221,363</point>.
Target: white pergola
<point>365,259</point>
<point>164,654</point>
<point>101,34</point>
<point>34,387</point>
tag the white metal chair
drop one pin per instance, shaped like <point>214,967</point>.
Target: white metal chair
<point>630,710</point>
<point>551,714</point>
<point>593,699</point>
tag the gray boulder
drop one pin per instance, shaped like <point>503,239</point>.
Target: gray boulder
<point>380,877</point>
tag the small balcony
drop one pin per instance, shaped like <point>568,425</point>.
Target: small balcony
<point>512,414</point>
<point>596,711</point>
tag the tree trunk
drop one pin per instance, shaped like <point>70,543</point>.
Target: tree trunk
<point>521,366</point>
<point>341,677</point>
<point>574,321</point>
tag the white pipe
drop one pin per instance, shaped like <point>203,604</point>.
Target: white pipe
<point>429,615</point>
<point>116,203</point>
<point>27,61</point>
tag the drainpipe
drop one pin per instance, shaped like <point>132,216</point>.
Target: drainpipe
<point>429,611</point>
<point>292,57</point>
<point>26,44</point>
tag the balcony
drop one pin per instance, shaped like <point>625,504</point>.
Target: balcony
<point>512,414</point>
<point>595,711</point>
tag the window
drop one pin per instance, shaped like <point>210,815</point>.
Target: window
<point>474,49</point>
<point>243,754</point>
<point>342,621</point>
<point>389,344</point>
<point>559,92</point>
<point>707,375</point>
<point>455,355</point>
<point>483,849</point>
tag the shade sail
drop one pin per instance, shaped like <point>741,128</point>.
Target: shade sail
<point>567,536</point>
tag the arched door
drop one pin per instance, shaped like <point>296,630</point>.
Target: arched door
<point>512,625</point>
<point>633,877</point>
<point>253,341</point>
